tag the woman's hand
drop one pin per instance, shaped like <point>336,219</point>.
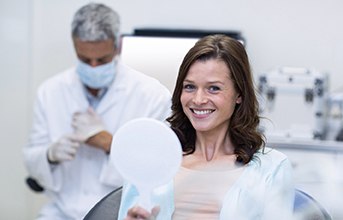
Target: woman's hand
<point>140,213</point>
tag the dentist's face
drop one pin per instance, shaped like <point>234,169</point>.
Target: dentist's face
<point>95,53</point>
<point>208,96</point>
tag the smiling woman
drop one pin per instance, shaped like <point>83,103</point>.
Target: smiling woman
<point>209,102</point>
<point>226,171</point>
<point>221,64</point>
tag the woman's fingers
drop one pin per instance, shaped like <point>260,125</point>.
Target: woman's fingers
<point>155,211</point>
<point>138,212</point>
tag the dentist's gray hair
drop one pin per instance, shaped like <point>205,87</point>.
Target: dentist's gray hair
<point>96,22</point>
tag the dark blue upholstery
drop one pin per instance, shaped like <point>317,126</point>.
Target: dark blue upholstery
<point>307,208</point>
<point>107,208</point>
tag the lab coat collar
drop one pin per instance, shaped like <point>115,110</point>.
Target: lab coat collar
<point>76,90</point>
<point>115,92</point>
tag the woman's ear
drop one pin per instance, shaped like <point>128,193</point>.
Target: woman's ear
<point>239,99</point>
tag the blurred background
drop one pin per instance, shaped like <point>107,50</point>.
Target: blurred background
<point>35,43</point>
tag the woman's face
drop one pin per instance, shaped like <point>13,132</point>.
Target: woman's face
<point>208,96</point>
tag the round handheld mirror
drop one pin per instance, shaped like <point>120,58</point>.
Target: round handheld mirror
<point>147,153</point>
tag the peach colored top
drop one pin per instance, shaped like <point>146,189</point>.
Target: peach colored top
<point>195,198</point>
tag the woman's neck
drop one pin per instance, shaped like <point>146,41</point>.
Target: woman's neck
<point>212,146</point>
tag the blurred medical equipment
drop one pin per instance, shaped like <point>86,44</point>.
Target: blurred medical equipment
<point>294,103</point>
<point>336,116</point>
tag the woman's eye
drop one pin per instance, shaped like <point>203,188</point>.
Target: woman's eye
<point>189,87</point>
<point>214,88</point>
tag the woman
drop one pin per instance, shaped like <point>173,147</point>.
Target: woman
<point>226,172</point>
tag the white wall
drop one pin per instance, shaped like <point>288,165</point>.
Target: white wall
<point>14,87</point>
<point>35,44</point>
<point>304,33</point>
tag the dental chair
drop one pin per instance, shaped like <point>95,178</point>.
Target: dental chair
<point>34,185</point>
<point>305,207</point>
<point>107,208</point>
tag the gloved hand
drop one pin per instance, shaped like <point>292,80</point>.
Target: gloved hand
<point>64,149</point>
<point>87,124</point>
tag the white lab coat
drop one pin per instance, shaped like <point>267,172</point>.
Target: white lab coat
<point>74,187</point>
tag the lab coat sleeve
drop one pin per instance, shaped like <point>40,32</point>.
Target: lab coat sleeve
<point>35,152</point>
<point>279,193</point>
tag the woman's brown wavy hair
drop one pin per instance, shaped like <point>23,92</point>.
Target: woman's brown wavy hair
<point>243,127</point>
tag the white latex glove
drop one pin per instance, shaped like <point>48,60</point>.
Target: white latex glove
<point>87,124</point>
<point>64,149</point>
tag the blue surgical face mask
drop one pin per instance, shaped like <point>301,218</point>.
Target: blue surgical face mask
<point>96,77</point>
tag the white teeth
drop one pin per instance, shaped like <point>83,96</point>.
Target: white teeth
<point>202,112</point>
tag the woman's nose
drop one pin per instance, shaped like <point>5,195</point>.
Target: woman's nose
<point>199,97</point>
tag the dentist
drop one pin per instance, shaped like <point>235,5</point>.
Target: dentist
<point>77,111</point>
